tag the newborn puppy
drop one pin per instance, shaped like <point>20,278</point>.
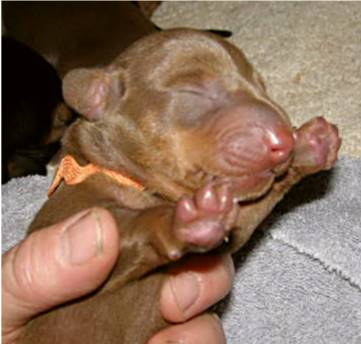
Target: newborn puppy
<point>180,141</point>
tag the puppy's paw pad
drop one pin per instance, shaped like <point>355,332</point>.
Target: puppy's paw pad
<point>204,220</point>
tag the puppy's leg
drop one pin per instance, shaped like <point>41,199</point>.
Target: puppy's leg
<point>151,234</point>
<point>158,235</point>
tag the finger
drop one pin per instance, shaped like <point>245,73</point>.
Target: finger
<point>58,264</point>
<point>195,285</point>
<point>205,329</point>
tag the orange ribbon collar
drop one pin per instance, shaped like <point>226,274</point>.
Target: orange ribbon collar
<point>72,173</point>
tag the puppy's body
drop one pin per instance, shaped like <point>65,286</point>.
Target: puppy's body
<point>183,113</point>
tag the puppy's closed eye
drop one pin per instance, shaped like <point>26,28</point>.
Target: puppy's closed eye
<point>192,104</point>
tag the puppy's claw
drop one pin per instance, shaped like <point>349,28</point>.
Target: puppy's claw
<point>174,254</point>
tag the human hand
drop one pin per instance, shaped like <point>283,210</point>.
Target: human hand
<point>30,287</point>
<point>193,286</point>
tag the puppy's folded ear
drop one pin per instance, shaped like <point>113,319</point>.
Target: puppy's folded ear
<point>93,92</point>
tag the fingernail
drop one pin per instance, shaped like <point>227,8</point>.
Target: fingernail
<point>186,289</point>
<point>83,240</point>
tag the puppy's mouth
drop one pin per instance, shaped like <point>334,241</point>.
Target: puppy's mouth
<point>247,187</point>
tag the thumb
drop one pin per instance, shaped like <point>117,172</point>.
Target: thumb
<point>57,264</point>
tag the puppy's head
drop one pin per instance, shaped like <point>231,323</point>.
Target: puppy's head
<point>179,108</point>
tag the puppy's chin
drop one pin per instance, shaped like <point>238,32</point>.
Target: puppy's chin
<point>254,186</point>
<point>245,187</point>
<point>248,187</point>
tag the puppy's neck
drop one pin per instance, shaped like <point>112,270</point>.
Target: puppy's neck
<point>81,142</point>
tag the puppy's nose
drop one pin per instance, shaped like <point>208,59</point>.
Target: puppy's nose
<point>280,143</point>
<point>253,138</point>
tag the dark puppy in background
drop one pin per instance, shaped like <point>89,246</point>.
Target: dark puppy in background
<point>33,119</point>
<point>43,41</point>
<point>180,141</point>
<point>73,34</point>
<point>76,34</point>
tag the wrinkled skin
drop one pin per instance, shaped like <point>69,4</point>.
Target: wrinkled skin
<point>185,114</point>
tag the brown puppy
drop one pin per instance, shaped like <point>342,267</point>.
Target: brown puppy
<point>185,115</point>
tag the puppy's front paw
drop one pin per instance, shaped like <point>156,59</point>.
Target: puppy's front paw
<point>317,145</point>
<point>203,221</point>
